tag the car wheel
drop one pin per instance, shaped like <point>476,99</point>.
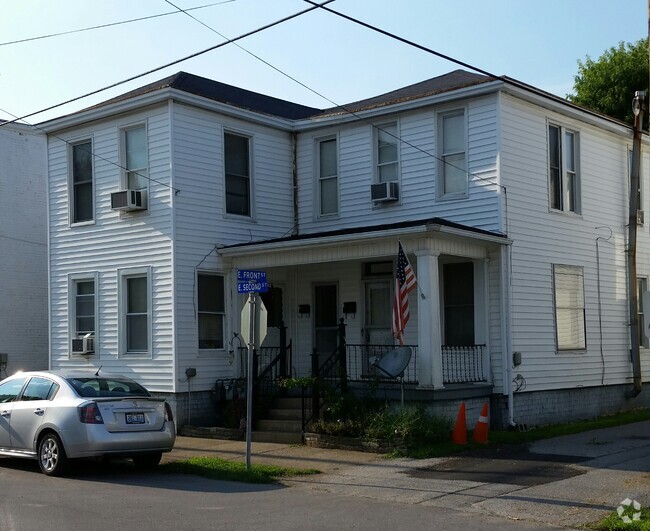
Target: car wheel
<point>51,455</point>
<point>146,461</point>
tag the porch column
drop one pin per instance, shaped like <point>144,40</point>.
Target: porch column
<point>429,336</point>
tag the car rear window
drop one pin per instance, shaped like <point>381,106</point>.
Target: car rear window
<point>106,386</point>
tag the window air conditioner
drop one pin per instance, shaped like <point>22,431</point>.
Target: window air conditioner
<point>84,345</point>
<point>384,192</point>
<point>129,200</point>
<point>640,217</point>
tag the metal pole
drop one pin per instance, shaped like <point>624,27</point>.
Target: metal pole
<point>249,388</point>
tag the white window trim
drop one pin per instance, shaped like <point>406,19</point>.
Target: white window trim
<point>440,188</point>
<point>565,187</point>
<point>645,342</point>
<point>251,173</point>
<point>73,278</point>
<point>317,181</point>
<point>70,146</point>
<point>122,276</point>
<point>224,276</point>
<point>124,180</point>
<point>582,350</point>
<point>375,138</point>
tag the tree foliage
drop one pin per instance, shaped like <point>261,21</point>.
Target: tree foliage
<point>608,84</point>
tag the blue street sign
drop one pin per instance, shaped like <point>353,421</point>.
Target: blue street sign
<point>250,281</point>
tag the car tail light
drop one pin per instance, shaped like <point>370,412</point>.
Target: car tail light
<point>169,416</point>
<point>89,414</point>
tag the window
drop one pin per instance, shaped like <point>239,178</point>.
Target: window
<point>563,169</point>
<point>136,158</point>
<point>82,183</point>
<point>458,293</point>
<point>83,306</point>
<point>40,389</point>
<point>639,197</point>
<point>10,389</point>
<point>387,161</point>
<point>569,307</point>
<point>642,287</point>
<point>325,318</point>
<point>453,154</point>
<point>211,310</point>
<point>328,187</point>
<point>135,318</point>
<point>238,181</point>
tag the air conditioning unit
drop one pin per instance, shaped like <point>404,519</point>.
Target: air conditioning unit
<point>129,200</point>
<point>84,345</point>
<point>640,217</point>
<point>384,192</point>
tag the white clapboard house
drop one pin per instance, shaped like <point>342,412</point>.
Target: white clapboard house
<point>510,203</point>
<point>23,249</point>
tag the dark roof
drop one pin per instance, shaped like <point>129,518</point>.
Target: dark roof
<point>436,85</point>
<point>372,228</point>
<point>229,94</point>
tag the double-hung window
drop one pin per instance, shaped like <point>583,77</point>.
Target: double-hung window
<point>83,307</point>
<point>569,307</point>
<point>328,187</point>
<point>564,177</point>
<point>452,146</point>
<point>387,153</point>
<point>642,287</point>
<point>135,304</point>
<point>238,177</point>
<point>136,158</point>
<point>211,310</point>
<point>82,194</point>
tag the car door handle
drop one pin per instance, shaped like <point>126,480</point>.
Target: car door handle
<point>6,413</point>
<point>39,411</point>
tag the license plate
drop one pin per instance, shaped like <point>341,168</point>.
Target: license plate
<point>135,418</point>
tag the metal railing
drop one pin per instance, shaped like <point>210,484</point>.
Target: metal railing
<point>360,366</point>
<point>463,364</point>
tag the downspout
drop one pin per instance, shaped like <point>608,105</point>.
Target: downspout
<point>506,332</point>
<point>637,105</point>
<point>294,180</point>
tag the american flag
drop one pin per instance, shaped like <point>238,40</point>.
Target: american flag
<point>404,283</point>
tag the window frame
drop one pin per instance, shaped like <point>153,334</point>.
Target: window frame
<point>205,272</point>
<point>72,186</point>
<point>124,275</point>
<point>73,280</point>
<point>555,269</point>
<point>320,179</point>
<point>442,154</point>
<point>124,131</point>
<point>249,139</point>
<point>641,286</point>
<point>377,130</point>
<point>565,189</point>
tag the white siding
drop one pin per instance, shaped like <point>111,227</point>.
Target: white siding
<point>418,197</point>
<point>543,238</point>
<point>115,241</point>
<point>23,248</point>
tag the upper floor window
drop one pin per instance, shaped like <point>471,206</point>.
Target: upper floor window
<point>136,158</point>
<point>452,146</point>
<point>563,169</point>
<point>82,195</point>
<point>639,197</point>
<point>387,153</point>
<point>211,310</point>
<point>328,188</point>
<point>569,307</point>
<point>238,178</point>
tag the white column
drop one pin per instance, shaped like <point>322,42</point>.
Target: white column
<point>429,335</point>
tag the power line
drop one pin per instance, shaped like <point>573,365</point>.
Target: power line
<point>172,63</point>
<point>101,26</point>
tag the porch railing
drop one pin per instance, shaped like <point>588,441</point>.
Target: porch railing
<point>463,364</point>
<point>361,369</point>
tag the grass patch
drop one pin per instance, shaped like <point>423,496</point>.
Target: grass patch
<point>614,523</point>
<point>217,468</point>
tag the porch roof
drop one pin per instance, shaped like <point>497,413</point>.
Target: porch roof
<point>348,238</point>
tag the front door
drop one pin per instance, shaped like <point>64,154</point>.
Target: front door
<point>325,318</point>
<point>378,309</point>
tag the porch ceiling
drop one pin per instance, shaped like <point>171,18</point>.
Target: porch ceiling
<point>366,243</point>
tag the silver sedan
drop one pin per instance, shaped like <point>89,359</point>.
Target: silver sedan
<point>57,416</point>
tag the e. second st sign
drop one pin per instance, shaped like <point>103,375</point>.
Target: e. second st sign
<point>251,281</point>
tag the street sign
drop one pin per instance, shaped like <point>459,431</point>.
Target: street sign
<point>260,323</point>
<point>251,281</point>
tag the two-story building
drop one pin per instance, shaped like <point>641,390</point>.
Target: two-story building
<point>23,249</point>
<point>510,203</point>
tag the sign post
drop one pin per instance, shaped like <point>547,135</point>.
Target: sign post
<point>252,282</point>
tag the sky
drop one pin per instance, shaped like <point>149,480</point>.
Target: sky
<point>535,41</point>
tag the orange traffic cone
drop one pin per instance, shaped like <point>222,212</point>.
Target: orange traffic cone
<point>459,435</point>
<point>481,431</point>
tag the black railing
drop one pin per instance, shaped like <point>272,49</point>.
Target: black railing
<point>361,361</point>
<point>463,364</point>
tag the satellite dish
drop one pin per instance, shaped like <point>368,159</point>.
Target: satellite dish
<point>394,362</point>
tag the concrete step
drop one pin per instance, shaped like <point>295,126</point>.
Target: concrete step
<point>288,403</point>
<point>285,414</point>
<point>276,437</point>
<point>288,426</point>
